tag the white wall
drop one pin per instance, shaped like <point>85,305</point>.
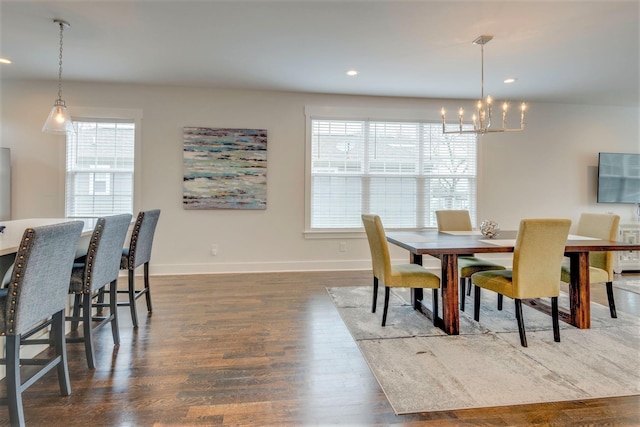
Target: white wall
<point>547,170</point>
<point>551,168</point>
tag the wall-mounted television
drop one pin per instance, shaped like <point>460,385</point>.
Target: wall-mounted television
<point>618,178</point>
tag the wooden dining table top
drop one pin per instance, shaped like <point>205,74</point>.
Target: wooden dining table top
<point>434,242</point>
<point>11,236</point>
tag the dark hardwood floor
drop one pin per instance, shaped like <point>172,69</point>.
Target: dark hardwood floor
<point>259,349</point>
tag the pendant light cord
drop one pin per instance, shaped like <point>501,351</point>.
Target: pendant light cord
<point>60,64</point>
<point>481,70</point>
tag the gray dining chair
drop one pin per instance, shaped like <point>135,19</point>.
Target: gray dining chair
<point>36,299</point>
<point>136,254</point>
<point>460,220</point>
<point>90,277</point>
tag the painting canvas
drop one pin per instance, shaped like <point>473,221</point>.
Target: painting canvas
<point>225,168</point>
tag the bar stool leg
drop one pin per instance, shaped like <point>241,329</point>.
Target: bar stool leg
<point>132,298</point>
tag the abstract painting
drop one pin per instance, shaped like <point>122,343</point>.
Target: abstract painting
<point>225,168</point>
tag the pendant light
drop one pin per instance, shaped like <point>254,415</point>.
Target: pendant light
<point>59,120</point>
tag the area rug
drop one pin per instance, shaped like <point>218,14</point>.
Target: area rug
<point>628,285</point>
<point>421,369</point>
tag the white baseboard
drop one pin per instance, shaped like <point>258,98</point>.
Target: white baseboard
<point>430,263</point>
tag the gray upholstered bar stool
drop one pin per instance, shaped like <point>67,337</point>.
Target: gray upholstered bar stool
<point>139,253</point>
<point>91,275</point>
<point>36,299</point>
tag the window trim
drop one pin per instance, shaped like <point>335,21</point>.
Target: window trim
<point>99,114</point>
<point>314,112</point>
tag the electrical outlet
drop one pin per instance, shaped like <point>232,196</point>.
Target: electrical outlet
<point>342,246</point>
<point>214,249</point>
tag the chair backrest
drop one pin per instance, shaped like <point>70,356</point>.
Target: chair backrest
<point>537,257</point>
<point>380,259</point>
<point>102,264</point>
<point>453,220</point>
<point>141,241</point>
<point>601,226</point>
<point>40,280</point>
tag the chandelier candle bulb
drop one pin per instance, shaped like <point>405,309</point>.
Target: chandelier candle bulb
<point>444,125</point>
<point>505,106</point>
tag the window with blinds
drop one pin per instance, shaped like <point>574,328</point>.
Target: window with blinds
<point>100,169</point>
<point>401,171</point>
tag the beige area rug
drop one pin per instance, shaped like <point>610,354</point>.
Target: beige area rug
<point>628,285</point>
<point>421,369</point>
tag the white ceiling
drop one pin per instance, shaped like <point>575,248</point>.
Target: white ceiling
<point>560,51</point>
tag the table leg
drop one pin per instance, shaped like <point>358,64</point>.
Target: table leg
<point>449,290</point>
<point>450,322</point>
<point>580,290</point>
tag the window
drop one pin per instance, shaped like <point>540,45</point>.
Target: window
<point>402,171</point>
<point>100,168</point>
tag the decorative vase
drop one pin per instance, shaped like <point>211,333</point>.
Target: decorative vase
<point>489,228</point>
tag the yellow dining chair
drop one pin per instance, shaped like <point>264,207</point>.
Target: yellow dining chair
<point>537,258</point>
<point>601,226</point>
<point>394,276</point>
<point>460,220</point>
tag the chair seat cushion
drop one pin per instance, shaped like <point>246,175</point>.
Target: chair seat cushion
<point>7,277</point>
<point>499,281</point>
<point>76,284</point>
<point>469,265</point>
<point>411,276</point>
<point>596,275</point>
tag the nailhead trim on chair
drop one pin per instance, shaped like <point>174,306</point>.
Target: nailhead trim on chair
<point>134,241</point>
<point>17,274</point>
<point>91,255</point>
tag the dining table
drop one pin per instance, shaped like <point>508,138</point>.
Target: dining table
<point>12,231</point>
<point>447,246</point>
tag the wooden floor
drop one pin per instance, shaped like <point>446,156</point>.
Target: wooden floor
<point>259,349</point>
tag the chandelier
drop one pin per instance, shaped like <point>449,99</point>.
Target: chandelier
<point>483,116</point>
<point>59,120</point>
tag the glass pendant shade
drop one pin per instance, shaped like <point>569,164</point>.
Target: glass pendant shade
<point>59,120</point>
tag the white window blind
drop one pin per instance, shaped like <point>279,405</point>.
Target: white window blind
<point>100,168</point>
<point>401,171</point>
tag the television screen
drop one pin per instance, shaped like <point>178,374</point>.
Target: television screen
<point>618,178</point>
